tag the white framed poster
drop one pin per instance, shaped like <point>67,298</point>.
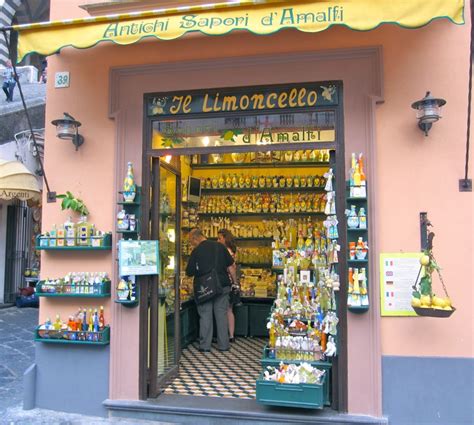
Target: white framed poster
<point>398,273</point>
<point>138,257</point>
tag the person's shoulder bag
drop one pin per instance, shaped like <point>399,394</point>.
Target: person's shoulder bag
<point>207,286</point>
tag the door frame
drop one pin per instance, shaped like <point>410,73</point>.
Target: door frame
<point>155,385</point>
<point>340,362</point>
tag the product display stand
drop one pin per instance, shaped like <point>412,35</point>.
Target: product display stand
<point>128,225</point>
<point>358,258</point>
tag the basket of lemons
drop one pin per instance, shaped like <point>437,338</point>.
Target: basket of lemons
<point>424,301</point>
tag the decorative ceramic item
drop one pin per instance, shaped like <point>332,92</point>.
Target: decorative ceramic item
<point>352,218</point>
<point>123,290</point>
<point>129,186</point>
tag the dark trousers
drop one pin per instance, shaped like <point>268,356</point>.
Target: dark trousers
<point>8,88</point>
<point>219,306</point>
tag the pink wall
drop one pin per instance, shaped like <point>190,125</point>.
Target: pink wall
<point>412,173</point>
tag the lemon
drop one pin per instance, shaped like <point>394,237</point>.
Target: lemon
<point>447,302</point>
<point>424,260</point>
<point>415,302</point>
<point>438,302</point>
<point>448,307</point>
<point>426,300</point>
<point>425,306</point>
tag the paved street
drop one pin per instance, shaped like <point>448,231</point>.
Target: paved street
<point>16,352</point>
<point>16,355</point>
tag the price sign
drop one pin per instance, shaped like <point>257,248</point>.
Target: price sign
<point>61,80</point>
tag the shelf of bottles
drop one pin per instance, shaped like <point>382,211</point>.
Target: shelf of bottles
<point>75,284</point>
<point>99,242</point>
<point>85,327</point>
<point>357,237</point>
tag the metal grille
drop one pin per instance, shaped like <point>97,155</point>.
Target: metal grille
<point>19,231</point>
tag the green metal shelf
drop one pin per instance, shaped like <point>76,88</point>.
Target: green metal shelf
<point>361,309</point>
<point>302,164</point>
<point>128,231</point>
<point>74,248</point>
<point>357,261</point>
<point>104,336</point>
<point>355,199</point>
<point>357,230</point>
<point>132,204</point>
<point>127,303</point>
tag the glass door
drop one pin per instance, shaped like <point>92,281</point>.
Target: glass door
<point>164,320</point>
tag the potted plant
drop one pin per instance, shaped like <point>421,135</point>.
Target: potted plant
<point>70,202</point>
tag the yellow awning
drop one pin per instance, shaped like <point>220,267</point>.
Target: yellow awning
<point>256,16</point>
<point>16,182</point>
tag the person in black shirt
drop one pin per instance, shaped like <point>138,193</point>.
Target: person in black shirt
<point>205,256</point>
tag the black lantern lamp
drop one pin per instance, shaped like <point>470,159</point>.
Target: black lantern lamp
<point>428,111</point>
<point>67,129</point>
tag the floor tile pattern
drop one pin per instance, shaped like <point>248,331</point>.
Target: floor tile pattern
<point>230,374</point>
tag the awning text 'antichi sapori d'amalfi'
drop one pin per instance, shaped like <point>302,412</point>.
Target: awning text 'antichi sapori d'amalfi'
<point>259,17</point>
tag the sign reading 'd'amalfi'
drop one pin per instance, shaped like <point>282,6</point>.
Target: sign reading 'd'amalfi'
<point>251,99</point>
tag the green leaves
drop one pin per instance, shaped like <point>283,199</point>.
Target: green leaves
<point>425,285</point>
<point>169,142</point>
<point>70,202</point>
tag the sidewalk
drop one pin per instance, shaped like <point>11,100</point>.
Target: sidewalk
<point>16,355</point>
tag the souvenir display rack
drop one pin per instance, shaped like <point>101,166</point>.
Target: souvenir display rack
<point>42,290</point>
<point>286,185</point>
<point>303,321</point>
<point>128,225</point>
<point>52,336</point>
<point>104,243</point>
<point>357,238</point>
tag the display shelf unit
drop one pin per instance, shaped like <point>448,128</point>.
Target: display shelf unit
<point>293,190</point>
<point>101,290</point>
<point>62,337</point>
<point>352,236</point>
<point>131,208</point>
<point>302,164</point>
<point>308,396</point>
<point>106,245</point>
<point>263,214</point>
<point>53,295</point>
<point>128,303</point>
<point>268,360</point>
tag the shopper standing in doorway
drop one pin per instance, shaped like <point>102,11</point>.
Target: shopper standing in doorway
<point>226,238</point>
<point>205,256</point>
<point>9,81</point>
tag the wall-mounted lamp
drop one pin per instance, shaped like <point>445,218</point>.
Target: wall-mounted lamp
<point>67,129</point>
<point>428,111</point>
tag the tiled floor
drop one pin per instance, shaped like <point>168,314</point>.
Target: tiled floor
<point>230,374</point>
